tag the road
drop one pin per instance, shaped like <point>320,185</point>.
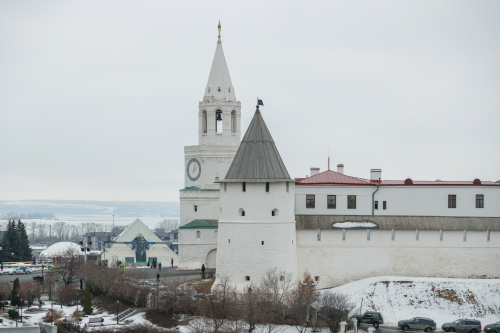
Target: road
<point>388,329</point>
<point>150,273</point>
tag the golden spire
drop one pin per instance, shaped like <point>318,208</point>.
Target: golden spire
<point>219,30</point>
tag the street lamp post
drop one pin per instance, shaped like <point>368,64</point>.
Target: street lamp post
<point>61,298</point>
<point>28,297</point>
<point>117,302</point>
<point>3,299</point>
<point>77,303</point>
<point>21,309</point>
<point>43,284</point>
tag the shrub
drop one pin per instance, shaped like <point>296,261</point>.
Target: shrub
<point>52,314</point>
<point>64,327</point>
<point>13,314</point>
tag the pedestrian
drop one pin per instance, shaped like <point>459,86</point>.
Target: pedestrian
<point>172,262</point>
<point>159,265</point>
<point>1,265</point>
<point>148,263</point>
<point>158,276</point>
<point>203,271</point>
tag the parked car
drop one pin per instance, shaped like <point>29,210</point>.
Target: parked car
<point>418,323</point>
<point>492,328</point>
<point>463,325</point>
<point>370,318</point>
<point>19,270</point>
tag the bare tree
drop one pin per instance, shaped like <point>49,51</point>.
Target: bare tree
<point>58,228</point>
<point>68,265</point>
<point>334,307</point>
<point>32,228</point>
<point>41,230</point>
<point>302,297</point>
<point>168,224</point>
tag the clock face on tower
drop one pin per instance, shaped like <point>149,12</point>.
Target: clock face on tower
<point>193,169</point>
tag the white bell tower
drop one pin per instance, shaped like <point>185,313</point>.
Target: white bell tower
<point>219,115</point>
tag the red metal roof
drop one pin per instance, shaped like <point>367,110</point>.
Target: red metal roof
<point>330,177</point>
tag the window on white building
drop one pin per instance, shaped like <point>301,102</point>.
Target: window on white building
<point>198,235</point>
<point>310,201</point>
<point>384,204</point>
<point>247,278</point>
<point>244,186</point>
<point>204,121</point>
<point>479,201</point>
<point>267,187</point>
<point>452,201</point>
<point>351,202</point>
<point>195,208</point>
<point>376,204</point>
<point>218,121</point>
<point>233,121</point>
<point>129,260</point>
<point>331,201</point>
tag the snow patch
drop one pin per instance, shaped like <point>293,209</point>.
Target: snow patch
<point>441,299</point>
<point>349,224</point>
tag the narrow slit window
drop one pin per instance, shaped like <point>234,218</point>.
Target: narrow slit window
<point>247,278</point>
<point>272,213</point>
<point>195,208</point>
<point>267,187</point>
<point>287,185</point>
<point>384,204</point>
<point>376,204</point>
<point>244,186</point>
<point>262,242</point>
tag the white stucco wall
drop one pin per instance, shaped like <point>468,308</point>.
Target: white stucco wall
<point>194,250</point>
<point>338,261</point>
<point>240,251</point>
<point>401,200</point>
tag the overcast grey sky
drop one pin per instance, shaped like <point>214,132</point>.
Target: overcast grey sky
<point>98,98</point>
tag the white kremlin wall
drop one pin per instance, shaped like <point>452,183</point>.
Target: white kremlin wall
<point>336,261</point>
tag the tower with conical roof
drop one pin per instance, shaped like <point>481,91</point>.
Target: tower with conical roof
<point>219,115</point>
<point>257,218</point>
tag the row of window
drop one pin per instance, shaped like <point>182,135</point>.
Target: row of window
<point>241,211</point>
<point>452,201</point>
<point>331,202</point>
<point>268,187</point>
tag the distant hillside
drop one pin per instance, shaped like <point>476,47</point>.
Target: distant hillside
<point>443,300</point>
<point>83,207</point>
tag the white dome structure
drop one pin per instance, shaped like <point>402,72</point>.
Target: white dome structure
<point>58,249</point>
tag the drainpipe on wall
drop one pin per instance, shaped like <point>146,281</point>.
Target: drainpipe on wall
<point>373,200</point>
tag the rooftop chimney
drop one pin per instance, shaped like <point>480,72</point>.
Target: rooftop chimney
<point>314,171</point>
<point>340,168</point>
<point>376,174</point>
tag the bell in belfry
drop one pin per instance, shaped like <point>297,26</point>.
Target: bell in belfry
<point>219,116</point>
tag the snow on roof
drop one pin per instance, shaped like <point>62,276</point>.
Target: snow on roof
<point>59,248</point>
<point>348,224</point>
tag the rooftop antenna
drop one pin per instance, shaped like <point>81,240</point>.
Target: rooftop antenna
<point>328,157</point>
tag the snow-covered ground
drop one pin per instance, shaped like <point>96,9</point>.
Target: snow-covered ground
<point>441,299</point>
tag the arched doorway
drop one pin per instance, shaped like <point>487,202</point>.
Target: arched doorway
<point>212,258</point>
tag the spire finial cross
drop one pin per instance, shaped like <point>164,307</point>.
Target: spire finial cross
<point>219,30</point>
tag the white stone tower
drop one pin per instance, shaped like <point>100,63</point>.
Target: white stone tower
<point>205,164</point>
<point>257,219</point>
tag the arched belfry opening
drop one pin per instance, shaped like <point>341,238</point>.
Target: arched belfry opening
<point>218,121</point>
<point>233,121</point>
<point>204,121</point>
